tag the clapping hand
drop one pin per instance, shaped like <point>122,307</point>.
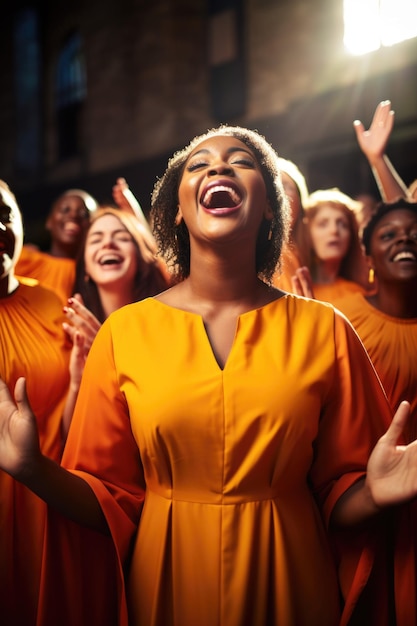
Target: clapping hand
<point>82,320</point>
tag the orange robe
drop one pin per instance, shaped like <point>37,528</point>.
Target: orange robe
<point>58,274</point>
<point>33,345</point>
<point>223,462</point>
<point>333,292</point>
<point>392,346</point>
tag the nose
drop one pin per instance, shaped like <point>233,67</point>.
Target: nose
<point>108,242</point>
<point>77,214</point>
<point>220,167</point>
<point>405,235</point>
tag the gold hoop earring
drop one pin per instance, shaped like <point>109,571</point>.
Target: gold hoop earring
<point>371,275</point>
<point>270,233</point>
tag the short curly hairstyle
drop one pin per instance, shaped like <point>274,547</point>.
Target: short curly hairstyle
<point>382,209</point>
<point>173,240</point>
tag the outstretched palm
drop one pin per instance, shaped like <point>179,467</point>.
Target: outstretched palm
<point>392,468</point>
<point>19,443</point>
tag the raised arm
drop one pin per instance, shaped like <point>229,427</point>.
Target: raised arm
<point>20,456</point>
<point>373,143</point>
<point>126,201</point>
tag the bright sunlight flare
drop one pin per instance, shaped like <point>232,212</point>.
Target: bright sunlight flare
<point>370,24</point>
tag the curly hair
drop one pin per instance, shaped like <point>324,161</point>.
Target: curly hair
<point>174,242</point>
<point>382,209</point>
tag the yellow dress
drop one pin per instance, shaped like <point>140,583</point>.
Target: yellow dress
<point>224,461</point>
<point>32,345</point>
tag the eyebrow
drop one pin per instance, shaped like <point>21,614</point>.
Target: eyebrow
<point>394,223</point>
<point>230,150</point>
<point>112,232</point>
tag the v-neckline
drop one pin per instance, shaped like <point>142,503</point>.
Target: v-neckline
<point>199,318</point>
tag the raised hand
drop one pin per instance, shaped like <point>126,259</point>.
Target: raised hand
<point>302,283</point>
<point>373,142</point>
<point>19,441</point>
<point>80,320</point>
<point>126,201</point>
<point>392,468</point>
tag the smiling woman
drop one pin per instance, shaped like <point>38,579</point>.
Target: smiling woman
<point>223,429</point>
<point>33,345</point>
<point>387,324</point>
<point>66,224</point>
<point>116,265</point>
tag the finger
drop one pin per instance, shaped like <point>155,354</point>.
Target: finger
<point>78,297</point>
<point>306,281</point>
<point>358,127</point>
<point>20,394</point>
<point>296,286</point>
<point>69,330</point>
<point>399,420</point>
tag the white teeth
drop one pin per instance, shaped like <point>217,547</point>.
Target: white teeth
<point>207,196</point>
<point>408,256</point>
<point>110,258</point>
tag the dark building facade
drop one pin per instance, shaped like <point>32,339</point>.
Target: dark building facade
<point>93,91</point>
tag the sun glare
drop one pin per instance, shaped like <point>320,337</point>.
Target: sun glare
<point>370,24</point>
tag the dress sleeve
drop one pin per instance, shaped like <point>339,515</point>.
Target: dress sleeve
<point>101,447</point>
<point>355,415</point>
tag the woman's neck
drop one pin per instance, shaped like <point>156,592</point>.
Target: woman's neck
<point>62,252</point>
<point>396,299</point>
<point>326,272</point>
<point>111,300</point>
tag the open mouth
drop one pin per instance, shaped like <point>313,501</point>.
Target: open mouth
<point>221,196</point>
<point>405,255</point>
<point>110,259</point>
<point>72,228</point>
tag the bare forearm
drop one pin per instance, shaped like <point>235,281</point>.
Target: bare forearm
<point>66,492</point>
<point>390,185</point>
<point>69,409</point>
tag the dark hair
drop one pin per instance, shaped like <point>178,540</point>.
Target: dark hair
<point>151,278</point>
<point>382,209</point>
<point>173,241</point>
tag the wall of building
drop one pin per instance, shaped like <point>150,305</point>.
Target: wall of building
<point>151,84</point>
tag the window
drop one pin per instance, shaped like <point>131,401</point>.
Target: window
<point>226,58</point>
<point>370,24</point>
<point>27,91</point>
<point>70,95</point>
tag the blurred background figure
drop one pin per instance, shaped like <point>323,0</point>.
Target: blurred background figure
<point>336,261</point>
<point>66,224</point>
<point>294,252</point>
<point>116,265</point>
<point>33,345</point>
<point>386,321</point>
